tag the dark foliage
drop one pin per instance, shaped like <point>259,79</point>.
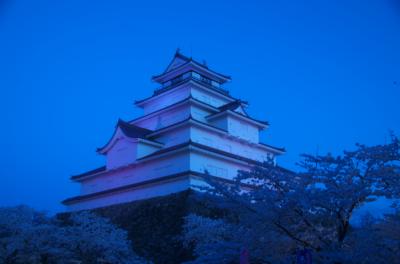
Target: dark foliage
<point>155,226</point>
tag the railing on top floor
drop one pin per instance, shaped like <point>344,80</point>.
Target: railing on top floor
<point>191,76</point>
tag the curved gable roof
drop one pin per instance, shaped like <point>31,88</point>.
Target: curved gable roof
<point>233,106</point>
<point>180,62</point>
<point>177,61</point>
<point>129,130</point>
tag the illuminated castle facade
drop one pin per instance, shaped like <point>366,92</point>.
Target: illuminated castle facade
<point>190,126</point>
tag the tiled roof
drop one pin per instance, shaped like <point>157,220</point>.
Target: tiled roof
<point>181,146</point>
<point>190,97</point>
<point>129,130</point>
<point>190,118</point>
<point>280,149</point>
<point>139,184</point>
<point>153,181</point>
<point>166,150</point>
<point>88,173</point>
<point>177,55</point>
<point>231,106</point>
<point>187,61</point>
<point>193,79</point>
<point>184,81</point>
<point>204,147</point>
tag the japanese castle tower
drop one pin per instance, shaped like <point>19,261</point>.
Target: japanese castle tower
<point>190,126</point>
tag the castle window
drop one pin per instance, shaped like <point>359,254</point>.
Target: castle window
<point>196,75</point>
<point>205,80</point>
<point>186,75</point>
<point>166,84</point>
<point>176,79</point>
<point>215,84</point>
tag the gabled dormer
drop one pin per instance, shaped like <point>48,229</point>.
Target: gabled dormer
<point>186,77</point>
<point>237,106</point>
<point>233,118</point>
<point>127,144</point>
<point>182,67</point>
<point>178,60</point>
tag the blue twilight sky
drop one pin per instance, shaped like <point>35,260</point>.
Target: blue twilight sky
<point>326,74</point>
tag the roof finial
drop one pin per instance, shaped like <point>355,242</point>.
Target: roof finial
<point>178,51</point>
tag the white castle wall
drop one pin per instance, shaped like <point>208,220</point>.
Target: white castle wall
<point>199,113</point>
<point>220,167</point>
<point>220,123</point>
<point>178,94</point>
<point>208,97</point>
<point>142,171</point>
<point>231,145</point>
<point>195,161</point>
<point>125,151</point>
<point>144,192</point>
<point>231,124</point>
<point>242,129</point>
<point>144,149</point>
<point>124,169</point>
<point>122,153</point>
<point>165,99</point>
<point>174,136</point>
<point>164,119</point>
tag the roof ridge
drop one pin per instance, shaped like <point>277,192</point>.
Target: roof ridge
<point>129,130</point>
<point>151,181</point>
<point>129,125</point>
<point>179,55</point>
<point>190,97</point>
<point>178,146</point>
<point>187,60</point>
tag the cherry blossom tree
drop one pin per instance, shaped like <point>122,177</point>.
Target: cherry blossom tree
<point>28,236</point>
<point>311,209</point>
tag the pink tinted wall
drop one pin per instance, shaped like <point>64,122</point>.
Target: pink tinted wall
<point>144,192</point>
<point>122,153</point>
<point>141,171</point>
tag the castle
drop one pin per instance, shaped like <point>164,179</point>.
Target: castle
<point>190,126</point>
